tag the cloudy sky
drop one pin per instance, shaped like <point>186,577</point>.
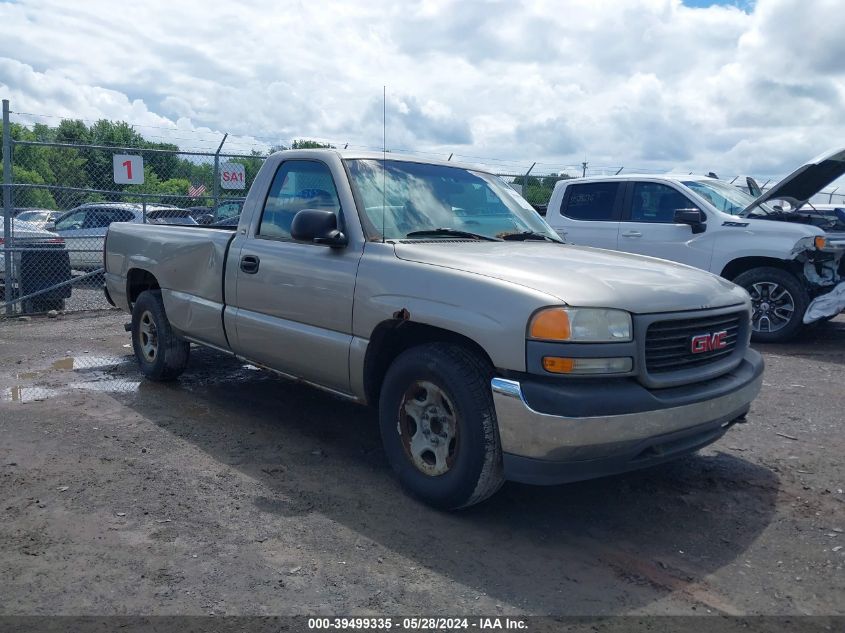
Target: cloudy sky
<point>733,87</point>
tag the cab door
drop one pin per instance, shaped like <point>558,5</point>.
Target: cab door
<point>589,213</point>
<point>78,229</point>
<point>292,306</point>
<point>648,226</point>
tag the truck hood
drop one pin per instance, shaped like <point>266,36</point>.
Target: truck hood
<point>582,276</point>
<point>805,182</point>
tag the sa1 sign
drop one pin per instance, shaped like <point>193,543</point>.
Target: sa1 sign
<point>128,169</point>
<point>232,176</point>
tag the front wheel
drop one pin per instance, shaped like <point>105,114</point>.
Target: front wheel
<point>160,353</point>
<point>438,425</point>
<point>779,302</point>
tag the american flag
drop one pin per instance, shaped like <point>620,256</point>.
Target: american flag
<point>195,191</point>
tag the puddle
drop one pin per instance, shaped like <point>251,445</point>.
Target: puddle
<point>109,385</point>
<point>27,394</point>
<point>87,362</point>
<point>76,363</point>
<point>99,372</point>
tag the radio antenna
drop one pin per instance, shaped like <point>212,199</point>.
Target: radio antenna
<point>383,159</point>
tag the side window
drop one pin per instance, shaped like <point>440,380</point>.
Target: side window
<point>122,215</point>
<point>299,184</point>
<point>97,219</point>
<point>654,202</point>
<point>590,201</point>
<point>72,222</point>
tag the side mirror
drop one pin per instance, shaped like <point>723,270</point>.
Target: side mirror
<point>50,226</point>
<point>694,217</point>
<point>318,226</point>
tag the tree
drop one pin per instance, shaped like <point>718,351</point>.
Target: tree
<point>99,162</point>
<point>306,144</point>
<point>27,196</point>
<point>164,164</point>
<point>73,131</point>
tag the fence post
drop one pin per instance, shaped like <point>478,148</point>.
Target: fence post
<point>525,180</point>
<point>7,205</point>
<point>216,185</point>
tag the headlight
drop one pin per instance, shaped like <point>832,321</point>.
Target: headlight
<point>581,325</point>
<point>818,242</point>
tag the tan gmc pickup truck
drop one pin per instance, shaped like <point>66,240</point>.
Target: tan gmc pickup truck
<point>434,292</point>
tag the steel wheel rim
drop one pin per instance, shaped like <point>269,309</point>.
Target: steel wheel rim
<point>148,337</point>
<point>428,428</point>
<point>773,306</point>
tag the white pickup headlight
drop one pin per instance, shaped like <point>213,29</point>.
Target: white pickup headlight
<point>581,325</point>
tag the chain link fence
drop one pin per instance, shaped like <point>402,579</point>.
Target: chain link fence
<point>51,251</point>
<point>64,184</point>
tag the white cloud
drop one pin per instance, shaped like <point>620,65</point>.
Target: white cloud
<point>648,84</point>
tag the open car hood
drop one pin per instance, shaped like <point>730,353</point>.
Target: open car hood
<point>806,181</point>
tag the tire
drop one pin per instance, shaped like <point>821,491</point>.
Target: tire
<point>438,425</point>
<point>771,289</point>
<point>161,354</point>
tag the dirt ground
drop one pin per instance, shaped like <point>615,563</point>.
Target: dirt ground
<point>234,492</point>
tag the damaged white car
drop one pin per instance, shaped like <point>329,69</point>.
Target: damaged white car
<point>790,262</point>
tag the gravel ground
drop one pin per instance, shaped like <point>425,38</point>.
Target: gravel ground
<point>233,492</point>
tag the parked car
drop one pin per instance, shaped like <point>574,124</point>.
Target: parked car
<point>228,209</point>
<point>231,222</point>
<point>84,228</point>
<point>42,218</point>
<point>435,292</point>
<point>203,215</point>
<point>39,261</point>
<point>786,261</point>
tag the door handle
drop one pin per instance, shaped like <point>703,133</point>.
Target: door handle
<point>632,234</point>
<point>249,264</point>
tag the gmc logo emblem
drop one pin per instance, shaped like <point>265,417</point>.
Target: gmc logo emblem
<point>709,342</point>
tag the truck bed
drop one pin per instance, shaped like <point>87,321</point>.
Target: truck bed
<point>189,264</point>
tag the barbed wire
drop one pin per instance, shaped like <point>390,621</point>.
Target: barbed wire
<point>204,141</point>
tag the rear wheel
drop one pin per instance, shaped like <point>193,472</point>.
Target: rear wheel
<point>779,302</point>
<point>438,425</point>
<point>160,353</point>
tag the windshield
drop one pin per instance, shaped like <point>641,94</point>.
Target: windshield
<point>725,197</point>
<point>405,197</point>
<point>34,216</point>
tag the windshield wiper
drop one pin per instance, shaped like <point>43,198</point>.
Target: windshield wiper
<point>445,231</point>
<point>529,235</point>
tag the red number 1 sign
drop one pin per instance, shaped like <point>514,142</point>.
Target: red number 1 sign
<point>128,169</point>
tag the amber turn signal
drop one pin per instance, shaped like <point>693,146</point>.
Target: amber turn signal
<point>557,365</point>
<point>550,325</point>
<point>820,242</point>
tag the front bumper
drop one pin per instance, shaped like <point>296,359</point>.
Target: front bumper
<point>615,425</point>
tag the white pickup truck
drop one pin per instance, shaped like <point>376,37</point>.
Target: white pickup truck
<point>785,260</point>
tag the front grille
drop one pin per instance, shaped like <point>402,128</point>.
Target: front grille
<point>668,344</point>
